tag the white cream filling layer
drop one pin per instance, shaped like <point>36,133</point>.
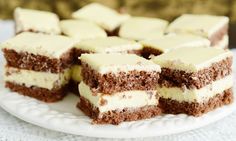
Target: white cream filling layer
<point>196,95</point>
<point>127,99</point>
<point>39,79</point>
<point>76,73</point>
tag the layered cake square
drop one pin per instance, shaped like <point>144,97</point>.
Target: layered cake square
<point>38,65</point>
<point>140,28</point>
<point>110,44</point>
<point>81,30</point>
<point>118,87</point>
<point>214,28</point>
<point>105,17</point>
<point>195,80</point>
<point>36,21</point>
<point>103,45</point>
<point>167,43</point>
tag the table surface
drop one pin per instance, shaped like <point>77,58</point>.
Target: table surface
<point>14,129</point>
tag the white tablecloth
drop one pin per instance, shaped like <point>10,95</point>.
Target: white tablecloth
<point>13,129</point>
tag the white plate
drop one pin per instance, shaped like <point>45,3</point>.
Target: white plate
<point>63,116</point>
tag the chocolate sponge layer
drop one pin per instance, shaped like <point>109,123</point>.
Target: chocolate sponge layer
<point>28,61</point>
<point>109,83</point>
<point>39,93</point>
<point>178,78</point>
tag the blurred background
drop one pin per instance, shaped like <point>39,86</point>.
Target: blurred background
<point>166,9</point>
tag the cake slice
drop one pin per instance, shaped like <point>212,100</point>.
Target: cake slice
<point>140,28</point>
<point>108,45</point>
<point>118,87</point>
<point>105,17</point>
<point>38,65</point>
<point>167,43</point>
<point>103,45</point>
<point>195,80</point>
<point>214,28</point>
<point>36,21</point>
<point>81,30</point>
<point>118,72</point>
<point>39,52</point>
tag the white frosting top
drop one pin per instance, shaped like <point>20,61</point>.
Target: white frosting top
<point>191,59</point>
<point>203,25</point>
<point>80,30</point>
<point>104,63</point>
<point>139,28</point>
<point>108,45</point>
<point>38,21</point>
<point>39,44</point>
<point>119,101</point>
<point>105,17</point>
<point>169,42</point>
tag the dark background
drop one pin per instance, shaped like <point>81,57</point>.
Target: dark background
<point>166,9</point>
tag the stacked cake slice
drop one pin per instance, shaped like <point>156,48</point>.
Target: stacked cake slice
<point>107,18</point>
<point>140,28</point>
<point>38,65</point>
<point>118,87</point>
<point>214,28</point>
<point>80,30</point>
<point>102,45</point>
<point>29,20</point>
<point>195,80</point>
<point>167,43</point>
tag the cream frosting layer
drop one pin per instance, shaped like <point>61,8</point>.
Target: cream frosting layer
<point>139,28</point>
<point>105,17</point>
<point>81,30</point>
<point>118,101</point>
<point>191,59</point>
<point>196,95</point>
<point>223,43</point>
<point>109,45</point>
<point>105,63</point>
<point>39,79</point>
<point>203,25</point>
<point>76,73</point>
<point>53,46</point>
<point>38,21</point>
<point>170,42</point>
